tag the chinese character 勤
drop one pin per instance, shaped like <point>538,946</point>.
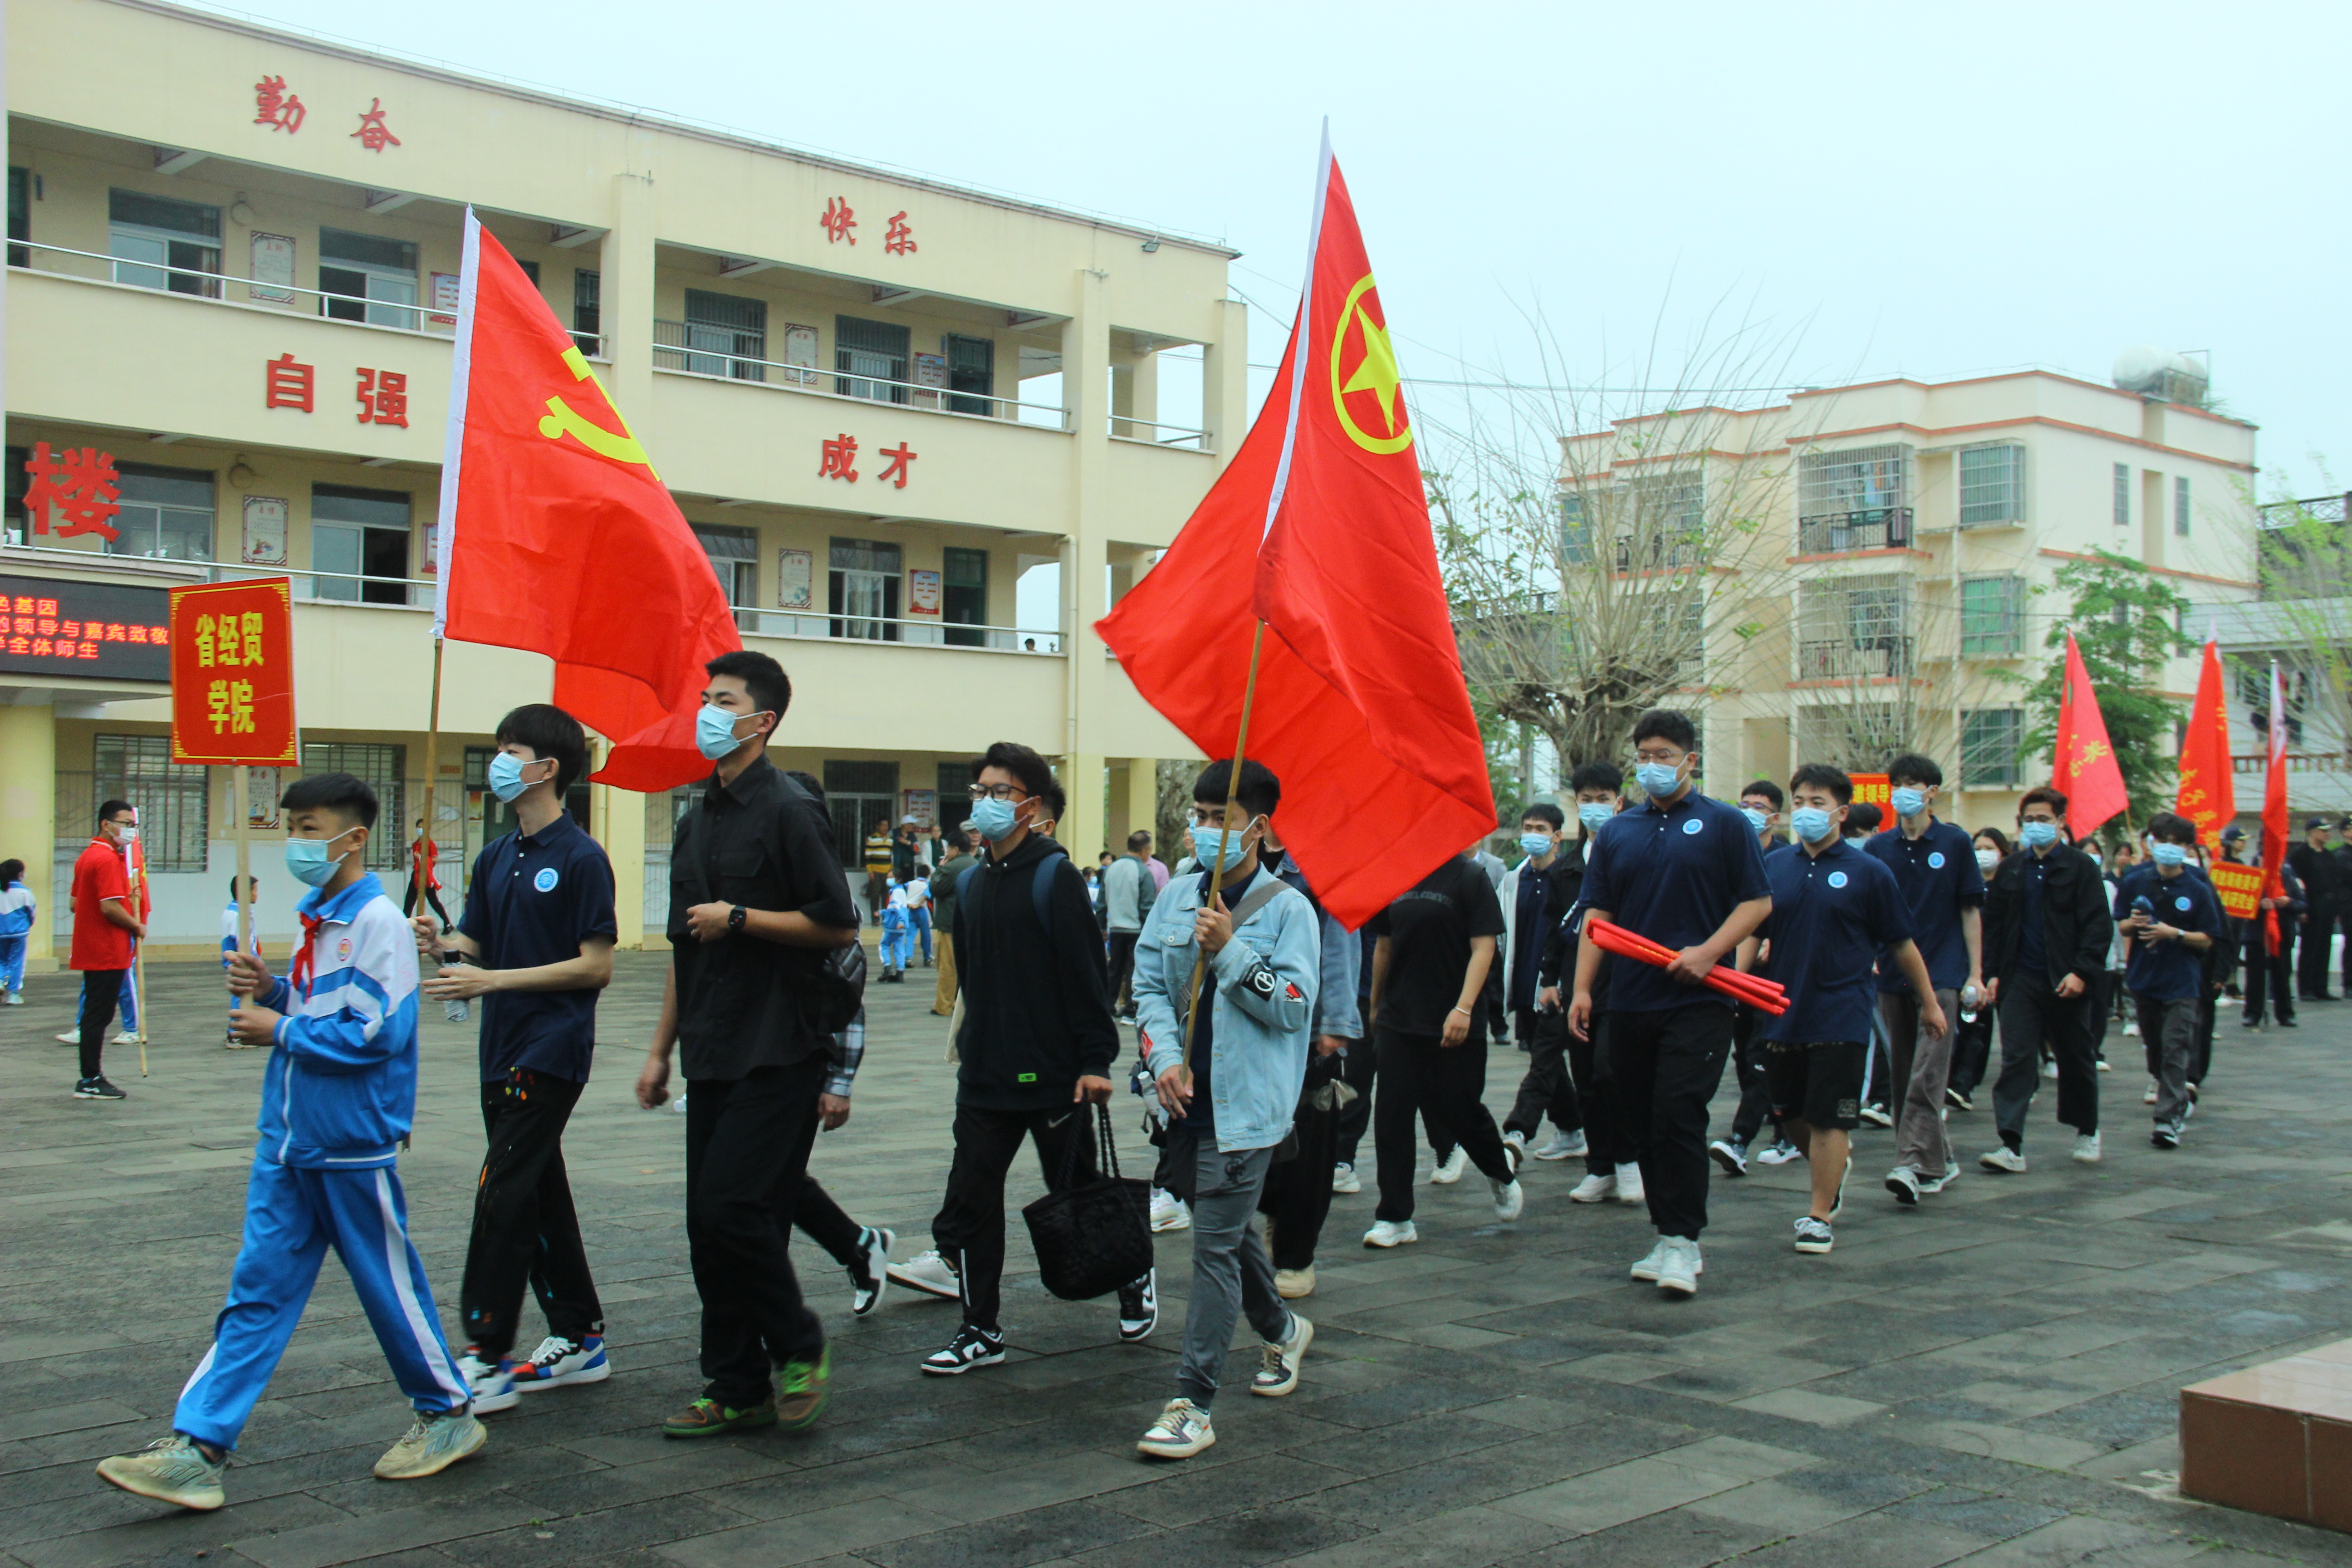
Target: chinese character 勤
<point>275,107</point>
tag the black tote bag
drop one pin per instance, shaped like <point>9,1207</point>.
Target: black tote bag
<point>1093,1238</point>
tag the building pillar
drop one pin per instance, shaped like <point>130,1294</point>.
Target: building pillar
<point>1086,381</point>
<point>29,815</point>
<point>1143,801</point>
<point>617,820</point>
<point>1224,380</point>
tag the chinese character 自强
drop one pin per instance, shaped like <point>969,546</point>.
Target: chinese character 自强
<point>384,397</point>
<point>285,384</point>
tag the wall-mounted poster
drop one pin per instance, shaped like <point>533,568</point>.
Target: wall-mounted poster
<point>273,264</point>
<point>800,348</point>
<point>931,379</point>
<point>795,579</point>
<point>922,593</point>
<point>445,298</point>
<point>265,531</point>
<point>260,796</point>
<point>922,804</point>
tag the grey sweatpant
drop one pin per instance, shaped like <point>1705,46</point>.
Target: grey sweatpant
<point>2169,1031</point>
<point>1231,1275</point>
<point>1922,1068</point>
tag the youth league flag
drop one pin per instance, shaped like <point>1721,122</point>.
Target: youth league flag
<point>2209,795</point>
<point>1318,527</point>
<point>557,536</point>
<point>2086,771</point>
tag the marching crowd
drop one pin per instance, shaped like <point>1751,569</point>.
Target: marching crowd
<point>1267,1041</point>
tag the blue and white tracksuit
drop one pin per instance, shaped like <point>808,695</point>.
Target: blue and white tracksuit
<point>898,943</point>
<point>228,944</point>
<point>337,1098</point>
<point>16,914</point>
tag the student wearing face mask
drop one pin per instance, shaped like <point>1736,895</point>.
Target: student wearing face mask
<point>1611,1170</point>
<point>1537,895</point>
<point>2046,930</point>
<point>535,943</point>
<point>757,900</point>
<point>1761,803</point>
<point>1972,1039</point>
<point>2172,918</point>
<point>107,923</point>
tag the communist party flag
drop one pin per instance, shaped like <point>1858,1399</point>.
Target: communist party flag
<point>2274,812</point>
<point>2209,796</point>
<point>1319,529</point>
<point>557,536</point>
<point>2087,771</point>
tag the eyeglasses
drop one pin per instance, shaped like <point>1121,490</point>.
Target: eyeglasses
<point>996,791</point>
<point>1669,756</point>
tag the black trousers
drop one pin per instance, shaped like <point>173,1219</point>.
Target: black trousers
<point>1549,1087</point>
<point>525,1229</point>
<point>2032,1015</point>
<point>2208,1011</point>
<point>1359,1068</point>
<point>1667,1065</point>
<point>823,1221</point>
<point>969,1229</point>
<point>1122,966</point>
<point>1606,1144</point>
<point>1420,1075</point>
<point>746,1149</point>
<point>99,990</point>
<point>1972,1051</point>
<point>2270,979</point>
<point>1755,1091</point>
<point>1296,1197</point>
<point>2311,976</point>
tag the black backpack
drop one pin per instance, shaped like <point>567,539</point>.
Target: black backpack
<point>839,990</point>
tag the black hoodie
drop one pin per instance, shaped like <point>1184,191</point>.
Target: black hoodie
<point>1037,1003</point>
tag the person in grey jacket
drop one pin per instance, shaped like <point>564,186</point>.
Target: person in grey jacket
<point>1128,894</point>
<point>1229,1095</point>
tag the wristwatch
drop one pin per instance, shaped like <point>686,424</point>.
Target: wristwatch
<point>736,914</point>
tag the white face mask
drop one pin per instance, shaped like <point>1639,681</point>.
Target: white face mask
<point>1987,859</point>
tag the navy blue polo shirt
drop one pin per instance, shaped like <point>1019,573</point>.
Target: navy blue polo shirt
<point>2168,971</point>
<point>1528,933</point>
<point>534,899</point>
<point>1672,874</point>
<point>1938,876</point>
<point>1832,915</point>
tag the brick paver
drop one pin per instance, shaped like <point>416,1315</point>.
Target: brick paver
<point>1988,1379</point>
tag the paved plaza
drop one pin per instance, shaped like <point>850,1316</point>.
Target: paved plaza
<point>1989,1379</point>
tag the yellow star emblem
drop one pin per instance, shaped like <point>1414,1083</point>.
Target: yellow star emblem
<point>1375,372</point>
<point>1378,373</point>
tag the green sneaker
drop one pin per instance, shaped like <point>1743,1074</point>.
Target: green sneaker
<point>433,1444</point>
<point>707,1418</point>
<point>169,1470</point>
<point>807,1386</point>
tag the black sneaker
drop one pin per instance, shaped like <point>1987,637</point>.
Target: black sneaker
<point>1959,1101</point>
<point>97,1088</point>
<point>2166,1135</point>
<point>970,1348</point>
<point>869,1276</point>
<point>1138,1308</point>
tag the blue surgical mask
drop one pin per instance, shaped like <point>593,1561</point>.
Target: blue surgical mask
<point>2038,835</point>
<point>995,818</point>
<point>307,860</point>
<point>1909,802</point>
<point>506,776</point>
<point>1537,844</point>
<point>1757,820</point>
<point>1595,815</point>
<point>1811,823</point>
<point>1221,846</point>
<point>714,732</point>
<point>1659,779</point>
<point>2169,854</point>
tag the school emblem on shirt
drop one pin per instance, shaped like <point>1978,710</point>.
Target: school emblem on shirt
<point>1837,878</point>
<point>545,880</point>
<point>1936,860</point>
<point>1692,826</point>
<point>343,951</point>
<point>2181,902</point>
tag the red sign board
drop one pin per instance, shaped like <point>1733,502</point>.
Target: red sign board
<point>233,673</point>
<point>2239,889</point>
<point>1875,789</point>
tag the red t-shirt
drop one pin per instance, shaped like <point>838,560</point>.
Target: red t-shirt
<point>98,875</point>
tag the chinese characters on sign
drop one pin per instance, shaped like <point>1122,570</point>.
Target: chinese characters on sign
<point>901,240</point>
<point>233,673</point>
<point>2239,888</point>
<point>840,453</point>
<point>838,220</point>
<point>79,485</point>
<point>265,531</point>
<point>384,397</point>
<point>900,456</point>
<point>373,135</point>
<point>285,384</point>
<point>275,107</point>
<point>86,629</point>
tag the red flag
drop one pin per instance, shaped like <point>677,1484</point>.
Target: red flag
<point>1320,527</point>
<point>2275,812</point>
<point>2086,771</point>
<point>557,536</point>
<point>2209,795</point>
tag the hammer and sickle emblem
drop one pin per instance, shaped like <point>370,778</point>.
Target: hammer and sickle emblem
<point>562,420</point>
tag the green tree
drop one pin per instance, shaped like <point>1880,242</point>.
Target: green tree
<point>2127,621</point>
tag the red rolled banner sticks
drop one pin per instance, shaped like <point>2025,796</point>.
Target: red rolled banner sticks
<point>1763,994</point>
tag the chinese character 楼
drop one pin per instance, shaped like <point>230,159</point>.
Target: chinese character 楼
<point>372,133</point>
<point>80,485</point>
<point>896,470</point>
<point>901,240</point>
<point>285,384</point>
<point>838,220</point>
<point>384,397</point>
<point>839,454</point>
<point>275,107</point>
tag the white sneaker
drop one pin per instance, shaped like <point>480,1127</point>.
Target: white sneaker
<point>559,1361</point>
<point>1646,1270</point>
<point>2086,1149</point>
<point>1449,1169</point>
<point>1875,1116</point>
<point>1182,1431</point>
<point>1518,1139</point>
<point>70,1038</point>
<point>1169,1212</point>
<point>2131,1030</point>
<point>1509,1199</point>
<point>15,998</point>
<point>1345,1180</point>
<point>2149,1097</point>
<point>128,1038</point>
<point>2049,1067</point>
<point>1561,1146</point>
<point>2102,1063</point>
<point>1779,1154</point>
<point>928,1272</point>
<point>2002,1159</point>
<point>1278,1369</point>
<point>1629,1184</point>
<point>1730,1157</point>
<point>1679,1269</point>
<point>1593,1190</point>
<point>491,1383</point>
<point>1391,1233</point>
<point>1904,1183</point>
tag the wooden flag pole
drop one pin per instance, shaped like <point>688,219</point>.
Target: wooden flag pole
<point>240,810</point>
<point>417,867</point>
<point>1217,871</point>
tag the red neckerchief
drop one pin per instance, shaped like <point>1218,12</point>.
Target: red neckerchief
<point>298,976</point>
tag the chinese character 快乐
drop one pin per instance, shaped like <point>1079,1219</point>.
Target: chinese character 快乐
<point>901,240</point>
<point>839,218</point>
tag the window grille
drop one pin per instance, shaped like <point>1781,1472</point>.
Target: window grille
<point>2123,495</point>
<point>1989,740</point>
<point>1993,485</point>
<point>173,801</point>
<point>2180,506</point>
<point>1853,499</point>
<point>731,333</point>
<point>1992,616</point>
<point>1853,628</point>
<point>383,769</point>
<point>880,349</point>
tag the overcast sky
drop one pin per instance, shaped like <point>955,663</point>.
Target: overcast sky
<point>1894,190</point>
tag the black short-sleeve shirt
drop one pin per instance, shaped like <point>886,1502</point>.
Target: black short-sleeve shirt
<point>1937,873</point>
<point>1672,874</point>
<point>1833,913</point>
<point>1429,928</point>
<point>761,842</point>
<point>534,899</point>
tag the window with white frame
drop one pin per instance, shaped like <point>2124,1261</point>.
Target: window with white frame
<point>368,279</point>
<point>152,236</point>
<point>1993,485</point>
<point>2180,506</point>
<point>167,513</point>
<point>1853,499</point>
<point>1992,616</point>
<point>1989,741</point>
<point>2123,495</point>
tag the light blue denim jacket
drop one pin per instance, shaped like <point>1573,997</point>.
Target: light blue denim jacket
<point>1264,983</point>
